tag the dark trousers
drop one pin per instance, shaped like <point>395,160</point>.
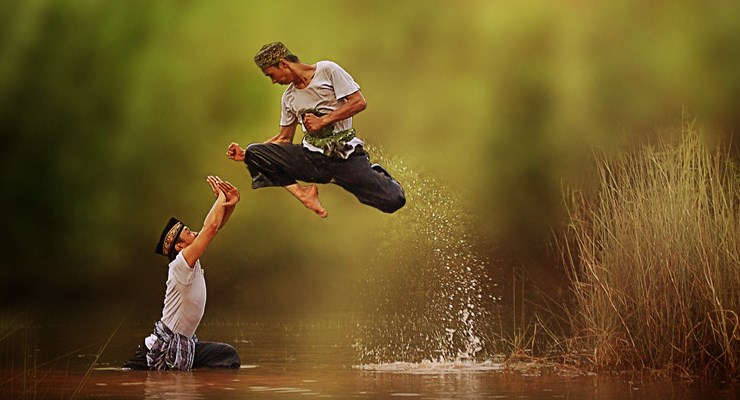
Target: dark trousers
<point>273,164</point>
<point>207,355</point>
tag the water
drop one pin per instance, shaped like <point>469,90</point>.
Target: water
<point>288,357</point>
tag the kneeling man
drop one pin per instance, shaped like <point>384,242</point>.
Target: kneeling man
<point>173,344</point>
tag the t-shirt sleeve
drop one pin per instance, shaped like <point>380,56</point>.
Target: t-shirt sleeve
<point>286,117</point>
<point>181,271</point>
<point>343,83</point>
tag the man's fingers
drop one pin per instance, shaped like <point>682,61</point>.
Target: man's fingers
<point>220,185</point>
<point>214,187</point>
<point>232,150</point>
<point>226,186</point>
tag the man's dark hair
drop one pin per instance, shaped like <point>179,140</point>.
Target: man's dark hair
<point>290,57</point>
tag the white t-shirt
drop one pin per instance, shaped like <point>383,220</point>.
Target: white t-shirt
<point>185,298</point>
<point>324,93</point>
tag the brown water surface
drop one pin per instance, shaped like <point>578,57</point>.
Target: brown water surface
<point>286,358</point>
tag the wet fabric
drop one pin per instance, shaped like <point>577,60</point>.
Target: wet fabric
<point>171,350</point>
<point>272,164</point>
<point>207,355</point>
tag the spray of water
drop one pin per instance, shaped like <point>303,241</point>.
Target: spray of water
<point>427,295</point>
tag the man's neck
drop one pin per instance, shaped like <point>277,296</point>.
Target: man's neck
<point>304,74</point>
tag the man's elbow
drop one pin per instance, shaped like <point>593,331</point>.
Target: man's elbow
<point>361,104</point>
<point>210,229</point>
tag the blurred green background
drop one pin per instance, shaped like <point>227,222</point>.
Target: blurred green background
<point>113,112</point>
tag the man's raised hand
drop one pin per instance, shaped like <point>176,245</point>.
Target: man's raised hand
<point>229,190</point>
<point>235,152</point>
<point>213,181</point>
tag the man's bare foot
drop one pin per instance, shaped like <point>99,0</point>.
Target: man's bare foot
<point>309,196</point>
<point>311,201</point>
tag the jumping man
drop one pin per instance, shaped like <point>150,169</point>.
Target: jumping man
<point>322,98</point>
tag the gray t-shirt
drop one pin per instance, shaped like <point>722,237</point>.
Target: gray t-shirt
<point>185,298</point>
<point>330,84</point>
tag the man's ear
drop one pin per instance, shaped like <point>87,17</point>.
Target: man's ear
<point>179,246</point>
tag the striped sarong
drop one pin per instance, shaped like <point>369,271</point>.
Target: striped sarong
<point>171,350</point>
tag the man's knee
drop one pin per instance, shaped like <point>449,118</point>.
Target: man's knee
<point>259,158</point>
<point>216,355</point>
<point>229,356</point>
<point>253,152</point>
<point>394,202</point>
<point>393,198</point>
<point>232,356</point>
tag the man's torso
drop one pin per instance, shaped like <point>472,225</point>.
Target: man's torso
<point>185,298</point>
<point>323,94</point>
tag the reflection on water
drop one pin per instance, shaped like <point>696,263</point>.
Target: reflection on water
<point>162,385</point>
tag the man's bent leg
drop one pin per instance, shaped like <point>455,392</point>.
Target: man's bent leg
<point>215,355</point>
<point>371,184</point>
<point>273,164</point>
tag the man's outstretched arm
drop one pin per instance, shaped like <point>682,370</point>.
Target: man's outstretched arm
<point>231,192</point>
<point>211,224</point>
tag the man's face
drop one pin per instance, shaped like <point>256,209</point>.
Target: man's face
<point>279,73</point>
<point>186,237</point>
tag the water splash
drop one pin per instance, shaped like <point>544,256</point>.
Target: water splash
<point>427,295</point>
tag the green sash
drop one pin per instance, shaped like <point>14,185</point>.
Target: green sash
<point>332,143</point>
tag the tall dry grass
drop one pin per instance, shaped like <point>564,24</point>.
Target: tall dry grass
<point>654,260</point>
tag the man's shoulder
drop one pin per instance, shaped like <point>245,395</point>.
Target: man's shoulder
<point>180,262</point>
<point>327,65</point>
<point>288,90</point>
<point>181,272</point>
